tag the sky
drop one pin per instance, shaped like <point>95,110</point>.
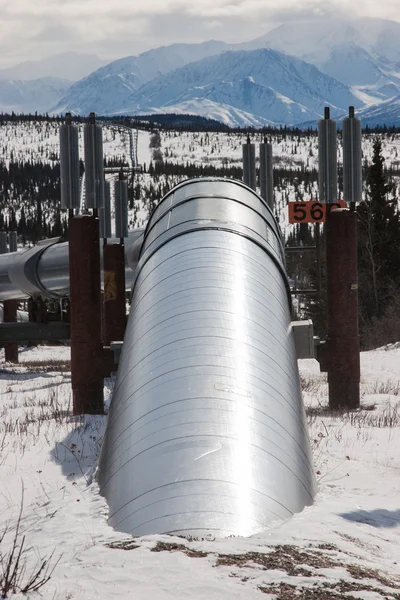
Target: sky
<point>34,29</point>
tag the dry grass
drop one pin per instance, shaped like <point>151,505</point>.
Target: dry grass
<point>387,388</point>
<point>360,418</point>
<point>39,366</point>
<point>313,384</point>
<point>340,590</point>
<point>14,574</point>
<point>295,562</point>
<point>60,366</point>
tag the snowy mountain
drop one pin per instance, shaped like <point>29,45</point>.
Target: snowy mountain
<point>224,113</point>
<point>362,52</point>
<point>267,84</point>
<point>69,65</point>
<point>104,90</point>
<point>31,96</point>
<point>237,84</point>
<point>384,113</point>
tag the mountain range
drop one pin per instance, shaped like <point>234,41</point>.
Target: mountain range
<point>285,77</point>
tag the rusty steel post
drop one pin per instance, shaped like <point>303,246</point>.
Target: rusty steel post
<point>342,351</point>
<point>87,361</point>
<point>114,293</point>
<point>10,316</point>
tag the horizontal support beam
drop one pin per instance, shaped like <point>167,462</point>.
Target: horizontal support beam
<point>33,332</point>
<point>303,292</point>
<point>290,249</point>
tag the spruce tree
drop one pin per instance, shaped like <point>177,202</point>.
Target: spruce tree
<point>378,240</point>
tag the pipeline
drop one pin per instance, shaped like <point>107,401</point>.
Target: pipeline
<point>206,432</point>
<point>43,270</point>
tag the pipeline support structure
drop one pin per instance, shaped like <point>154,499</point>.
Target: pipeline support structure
<point>207,431</point>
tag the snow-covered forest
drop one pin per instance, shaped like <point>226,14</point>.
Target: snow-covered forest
<point>29,197</point>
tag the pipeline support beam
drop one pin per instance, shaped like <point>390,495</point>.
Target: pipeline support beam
<point>341,353</point>
<point>10,316</point>
<point>86,347</point>
<point>114,293</point>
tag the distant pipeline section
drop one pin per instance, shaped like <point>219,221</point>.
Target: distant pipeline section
<point>207,431</point>
<point>43,270</point>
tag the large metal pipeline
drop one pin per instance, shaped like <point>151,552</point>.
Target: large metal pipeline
<point>43,270</point>
<point>206,431</point>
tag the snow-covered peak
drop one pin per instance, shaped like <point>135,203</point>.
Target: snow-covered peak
<point>270,85</point>
<point>30,96</point>
<point>103,90</point>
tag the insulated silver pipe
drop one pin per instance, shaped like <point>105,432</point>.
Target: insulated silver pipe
<point>207,431</point>
<point>43,270</point>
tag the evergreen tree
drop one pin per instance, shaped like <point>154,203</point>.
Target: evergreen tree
<point>378,240</point>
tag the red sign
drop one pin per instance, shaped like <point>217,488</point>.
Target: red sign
<point>310,211</point>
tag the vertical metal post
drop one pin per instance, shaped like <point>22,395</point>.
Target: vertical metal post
<point>114,269</point>
<point>318,252</point>
<point>327,159</point>
<point>10,316</point>
<point>352,159</point>
<point>121,208</point>
<point>342,351</point>
<point>69,164</point>
<point>105,213</point>
<point>267,174</point>
<point>114,293</point>
<point>87,363</point>
<point>249,164</point>
<point>12,241</point>
<point>94,163</point>
<point>3,242</point>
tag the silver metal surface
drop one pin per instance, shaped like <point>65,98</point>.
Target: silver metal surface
<point>206,431</point>
<point>13,241</point>
<point>267,175</point>
<point>105,213</point>
<point>352,160</point>
<point>44,270</point>
<point>249,165</point>
<point>94,165</point>
<point>69,166</point>
<point>3,242</point>
<point>327,158</point>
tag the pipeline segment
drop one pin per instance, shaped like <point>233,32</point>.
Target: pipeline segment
<point>206,432</point>
<point>43,270</point>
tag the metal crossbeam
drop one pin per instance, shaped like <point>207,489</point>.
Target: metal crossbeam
<point>33,332</point>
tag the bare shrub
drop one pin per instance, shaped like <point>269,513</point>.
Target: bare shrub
<point>312,385</point>
<point>390,387</point>
<point>14,574</point>
<point>389,417</point>
<point>47,366</point>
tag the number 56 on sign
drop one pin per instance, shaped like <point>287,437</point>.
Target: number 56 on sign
<point>310,211</point>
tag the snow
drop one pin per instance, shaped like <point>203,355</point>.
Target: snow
<point>49,457</point>
<point>144,151</point>
<point>37,95</point>
<point>40,142</point>
<point>353,526</point>
<point>258,79</point>
<point>103,91</point>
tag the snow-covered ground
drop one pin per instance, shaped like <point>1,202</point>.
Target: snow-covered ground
<point>347,545</point>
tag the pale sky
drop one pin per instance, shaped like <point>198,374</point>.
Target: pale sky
<point>33,29</point>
